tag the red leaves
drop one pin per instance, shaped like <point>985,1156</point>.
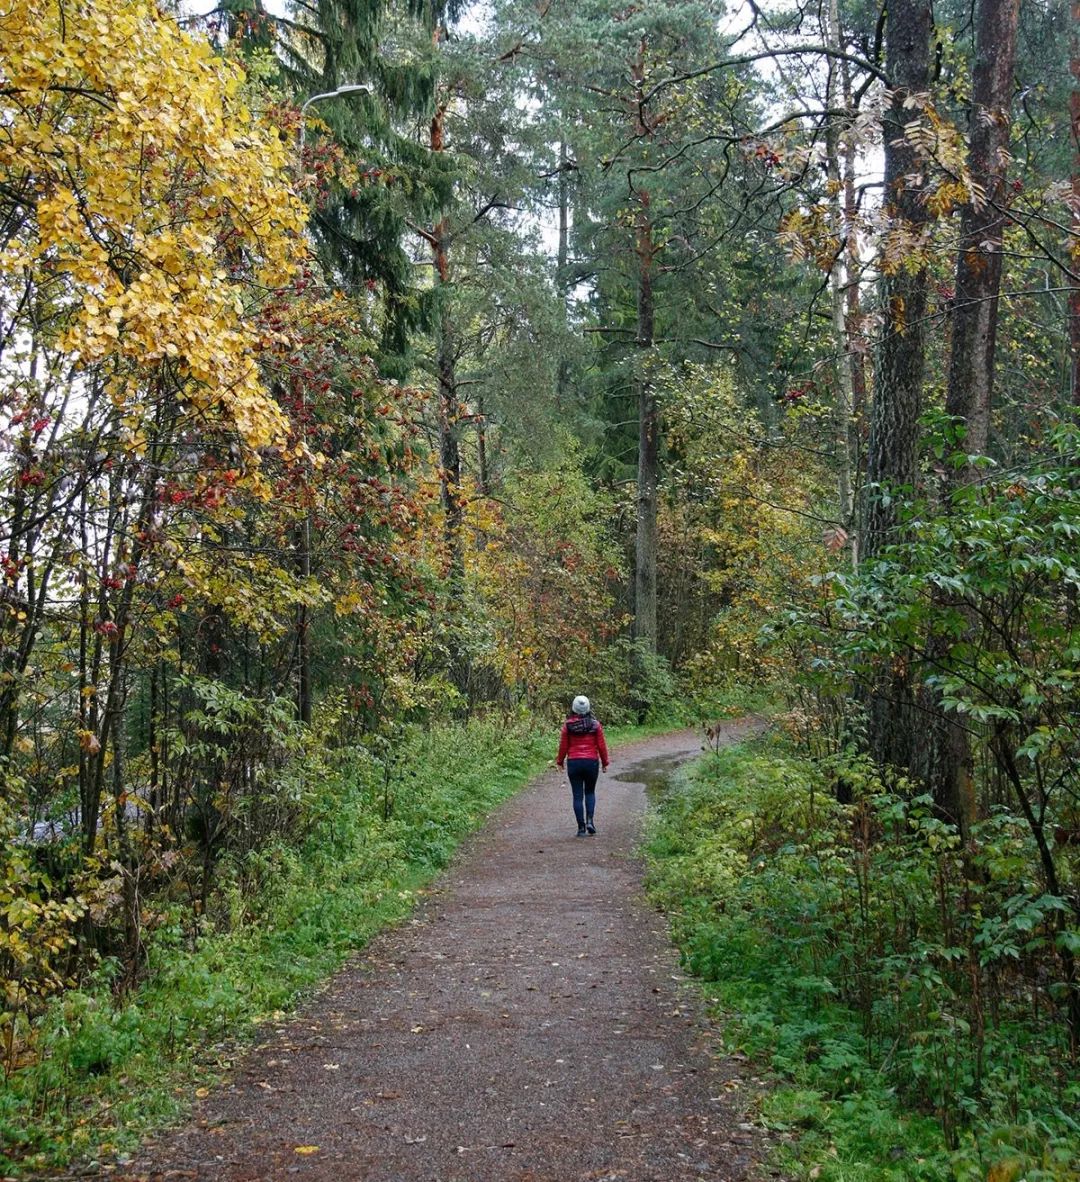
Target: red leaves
<point>797,392</point>
<point>766,155</point>
<point>174,495</point>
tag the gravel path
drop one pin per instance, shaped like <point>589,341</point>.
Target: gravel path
<point>528,1024</point>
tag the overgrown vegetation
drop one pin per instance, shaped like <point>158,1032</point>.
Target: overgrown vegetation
<point>898,982</point>
<point>365,838</point>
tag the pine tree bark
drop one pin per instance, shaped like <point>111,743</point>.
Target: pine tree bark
<point>562,378</point>
<point>648,440</point>
<point>448,412</point>
<point>946,765</point>
<point>979,262</point>
<point>854,325</point>
<point>844,400</point>
<point>483,470</point>
<point>892,456</point>
<point>897,403</point>
<point>645,542</point>
<point>449,418</point>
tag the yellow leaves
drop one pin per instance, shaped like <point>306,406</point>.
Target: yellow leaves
<point>809,235</point>
<point>945,198</point>
<point>352,601</point>
<point>89,742</point>
<point>251,595</point>
<point>306,1150</point>
<point>34,936</point>
<point>144,162</point>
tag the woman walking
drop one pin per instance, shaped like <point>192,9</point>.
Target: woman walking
<point>583,751</point>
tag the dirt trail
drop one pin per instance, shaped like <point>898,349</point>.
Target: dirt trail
<point>528,1023</point>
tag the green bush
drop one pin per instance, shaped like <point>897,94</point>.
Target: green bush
<point>897,981</point>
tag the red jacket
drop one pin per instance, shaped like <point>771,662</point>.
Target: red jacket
<point>582,746</point>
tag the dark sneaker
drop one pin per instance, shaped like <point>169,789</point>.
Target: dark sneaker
<point>590,828</point>
<point>581,831</point>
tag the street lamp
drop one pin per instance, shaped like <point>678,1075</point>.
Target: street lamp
<point>348,88</point>
<point>303,638</point>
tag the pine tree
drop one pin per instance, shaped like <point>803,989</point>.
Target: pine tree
<point>362,232</point>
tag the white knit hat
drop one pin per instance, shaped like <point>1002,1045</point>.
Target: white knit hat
<point>581,705</point>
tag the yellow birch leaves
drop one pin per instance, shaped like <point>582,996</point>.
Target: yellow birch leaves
<point>150,204</point>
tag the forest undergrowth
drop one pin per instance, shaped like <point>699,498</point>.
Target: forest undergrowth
<point>896,982</point>
<point>103,1069</point>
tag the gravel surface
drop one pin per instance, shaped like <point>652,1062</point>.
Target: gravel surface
<point>528,1024</point>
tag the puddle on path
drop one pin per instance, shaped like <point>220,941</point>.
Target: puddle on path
<point>657,774</point>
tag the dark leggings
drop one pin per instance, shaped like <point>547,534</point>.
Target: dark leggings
<point>582,774</point>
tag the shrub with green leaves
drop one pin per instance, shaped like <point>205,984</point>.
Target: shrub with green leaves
<point>973,607</point>
<point>900,981</point>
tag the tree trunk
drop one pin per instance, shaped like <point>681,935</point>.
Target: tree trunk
<point>979,262</point>
<point>892,456</point>
<point>303,627</point>
<point>449,417</point>
<point>854,325</point>
<point>1074,294</point>
<point>648,440</point>
<point>946,765</point>
<point>483,472</point>
<point>562,379</point>
<point>449,424</point>
<point>897,404</point>
<point>645,541</point>
<point>844,398</point>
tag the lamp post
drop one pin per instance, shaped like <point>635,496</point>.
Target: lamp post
<point>303,639</point>
<point>347,88</point>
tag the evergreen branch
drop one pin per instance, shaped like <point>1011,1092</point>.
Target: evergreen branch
<point>427,235</point>
<point>750,58</point>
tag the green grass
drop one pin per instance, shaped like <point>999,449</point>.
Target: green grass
<point>762,914</point>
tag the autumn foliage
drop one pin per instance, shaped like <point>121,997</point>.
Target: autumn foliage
<point>573,355</point>
<point>180,399</point>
